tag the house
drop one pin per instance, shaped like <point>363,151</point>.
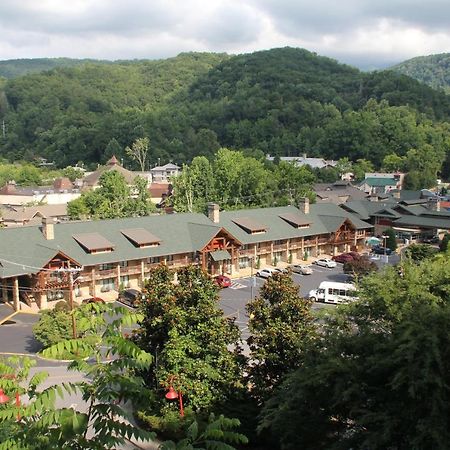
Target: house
<point>381,183</point>
<point>13,216</point>
<point>62,192</point>
<point>337,192</point>
<point>314,163</point>
<point>108,254</point>
<point>92,180</point>
<point>163,174</point>
<point>411,219</point>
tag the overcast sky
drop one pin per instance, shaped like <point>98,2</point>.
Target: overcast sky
<point>365,33</point>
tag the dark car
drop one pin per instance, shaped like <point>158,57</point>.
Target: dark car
<point>92,300</point>
<point>222,281</point>
<point>343,258</point>
<point>378,250</point>
<point>430,239</point>
<point>130,297</point>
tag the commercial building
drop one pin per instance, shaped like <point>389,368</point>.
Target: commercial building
<point>109,254</point>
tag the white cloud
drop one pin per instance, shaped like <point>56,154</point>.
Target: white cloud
<point>357,31</point>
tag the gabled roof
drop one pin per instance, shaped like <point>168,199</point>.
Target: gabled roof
<point>380,181</point>
<point>250,225</point>
<point>141,236</point>
<point>93,241</point>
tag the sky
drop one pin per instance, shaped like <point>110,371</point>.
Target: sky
<point>365,33</point>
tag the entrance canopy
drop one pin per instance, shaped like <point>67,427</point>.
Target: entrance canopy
<point>373,241</point>
<point>220,255</point>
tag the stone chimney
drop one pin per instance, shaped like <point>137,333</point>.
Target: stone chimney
<point>48,228</point>
<point>433,204</point>
<point>303,205</point>
<point>213,212</point>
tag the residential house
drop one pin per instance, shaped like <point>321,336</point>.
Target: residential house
<point>13,216</point>
<point>381,183</point>
<point>337,192</point>
<point>121,252</point>
<point>163,174</point>
<point>314,163</point>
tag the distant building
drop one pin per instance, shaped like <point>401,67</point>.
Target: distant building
<point>381,183</point>
<point>337,192</point>
<point>314,163</point>
<point>14,216</point>
<point>62,192</point>
<point>162,174</point>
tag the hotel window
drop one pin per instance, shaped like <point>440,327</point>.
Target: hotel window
<point>244,262</point>
<point>107,285</point>
<point>108,266</point>
<point>153,260</point>
<point>125,281</point>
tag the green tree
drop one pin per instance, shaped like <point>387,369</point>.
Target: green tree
<point>72,173</point>
<point>139,151</point>
<point>418,252</point>
<point>106,386</point>
<point>387,352</point>
<point>360,267</point>
<point>193,343</point>
<point>361,167</point>
<point>444,245</point>
<point>393,163</point>
<point>391,241</point>
<point>280,324</point>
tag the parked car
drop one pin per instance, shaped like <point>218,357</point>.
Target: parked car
<point>325,262</point>
<point>431,240</point>
<point>343,258</point>
<point>130,297</point>
<point>379,250</point>
<point>222,281</point>
<point>303,270</point>
<point>92,300</point>
<point>265,273</point>
<point>277,269</point>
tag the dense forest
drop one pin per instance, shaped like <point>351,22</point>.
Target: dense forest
<point>284,102</point>
<point>433,70</point>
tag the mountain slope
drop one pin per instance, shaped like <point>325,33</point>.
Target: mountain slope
<point>284,101</point>
<point>433,70</point>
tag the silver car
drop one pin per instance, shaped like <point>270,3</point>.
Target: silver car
<point>303,270</point>
<point>325,262</point>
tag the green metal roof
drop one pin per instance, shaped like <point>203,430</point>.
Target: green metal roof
<point>425,221</point>
<point>220,255</point>
<point>380,181</point>
<point>24,250</point>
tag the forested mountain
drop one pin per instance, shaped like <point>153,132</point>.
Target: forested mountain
<point>283,101</point>
<point>13,68</point>
<point>433,70</point>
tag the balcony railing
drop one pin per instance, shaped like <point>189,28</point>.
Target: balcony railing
<point>108,273</point>
<point>279,248</point>
<point>130,270</point>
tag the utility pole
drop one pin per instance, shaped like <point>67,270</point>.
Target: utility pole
<point>74,324</point>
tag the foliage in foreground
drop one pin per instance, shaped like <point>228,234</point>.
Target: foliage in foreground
<point>379,375</point>
<point>109,381</point>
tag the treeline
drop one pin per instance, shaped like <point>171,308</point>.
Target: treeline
<point>283,102</point>
<point>433,70</point>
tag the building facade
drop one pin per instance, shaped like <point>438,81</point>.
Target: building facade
<point>40,265</point>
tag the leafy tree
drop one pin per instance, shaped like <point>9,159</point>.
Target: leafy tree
<point>280,323</point>
<point>361,167</point>
<point>418,252</point>
<point>360,267</point>
<point>218,434</point>
<point>387,352</point>
<point>189,337</point>
<point>106,386</point>
<point>72,173</point>
<point>444,245</point>
<point>393,163</point>
<point>139,151</point>
<point>391,241</point>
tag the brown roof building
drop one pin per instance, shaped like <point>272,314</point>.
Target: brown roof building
<point>92,180</point>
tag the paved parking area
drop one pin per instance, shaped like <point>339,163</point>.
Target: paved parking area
<point>17,337</point>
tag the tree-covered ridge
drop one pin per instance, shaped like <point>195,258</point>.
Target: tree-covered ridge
<point>433,70</point>
<point>13,68</point>
<point>283,101</point>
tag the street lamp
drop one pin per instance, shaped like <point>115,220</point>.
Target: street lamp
<point>172,394</point>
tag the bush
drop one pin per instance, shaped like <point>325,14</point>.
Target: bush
<point>443,246</point>
<point>53,326</point>
<point>418,252</point>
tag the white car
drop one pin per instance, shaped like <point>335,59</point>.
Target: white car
<point>326,262</point>
<point>265,273</point>
<point>299,268</point>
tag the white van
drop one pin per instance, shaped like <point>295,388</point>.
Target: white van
<point>333,292</point>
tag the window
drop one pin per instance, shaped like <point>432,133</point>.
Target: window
<point>125,281</point>
<point>244,262</point>
<point>108,266</point>
<point>153,260</point>
<point>55,295</point>
<point>169,258</point>
<point>123,263</point>
<point>107,284</point>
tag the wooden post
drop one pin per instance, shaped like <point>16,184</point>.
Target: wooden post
<point>118,277</point>
<point>93,283</point>
<point>142,273</point>
<point>74,324</point>
<point>5,291</point>
<point>16,294</point>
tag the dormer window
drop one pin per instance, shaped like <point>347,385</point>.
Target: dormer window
<point>141,238</point>
<point>296,220</point>
<point>93,243</point>
<point>250,226</point>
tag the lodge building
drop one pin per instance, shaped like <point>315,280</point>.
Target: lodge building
<point>106,255</point>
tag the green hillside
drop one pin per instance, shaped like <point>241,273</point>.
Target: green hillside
<point>13,68</point>
<point>433,70</point>
<point>283,101</point>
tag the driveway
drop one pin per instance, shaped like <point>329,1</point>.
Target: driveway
<point>16,335</point>
<point>5,311</point>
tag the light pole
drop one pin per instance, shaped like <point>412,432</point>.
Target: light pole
<point>172,394</point>
<point>384,243</point>
<point>252,260</point>
<point>5,399</point>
